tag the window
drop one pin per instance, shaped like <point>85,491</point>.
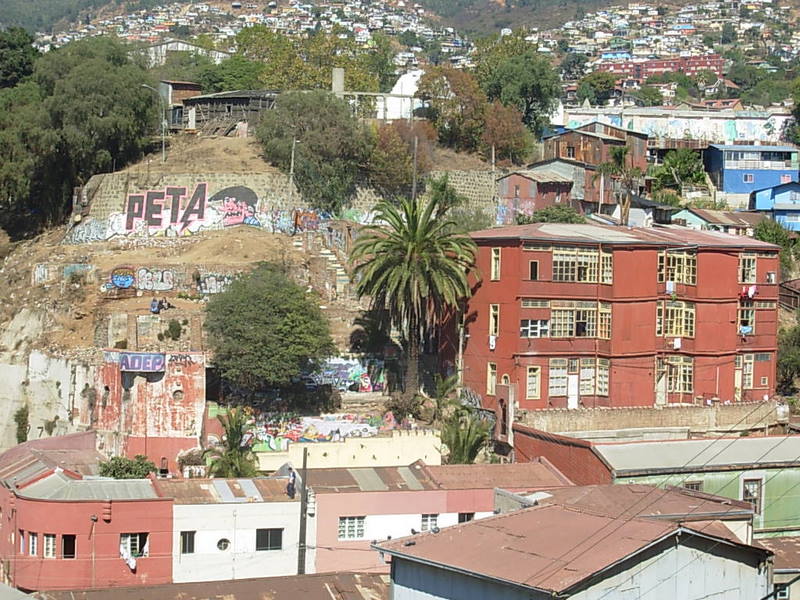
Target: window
<point>764,381</point>
<point>746,318</point>
<point>764,304</point>
<point>606,267</point>
<point>574,264</point>
<point>68,545</point>
<point>752,493</point>
<point>747,268</point>
<point>533,328</point>
<point>570,151</point>
<point>429,521</point>
<point>21,542</point>
<point>786,178</point>
<point>49,545</point>
<point>465,517</point>
<point>134,543</point>
<point>187,542</point>
<point>491,379</point>
<point>495,275</point>
<point>771,277</point>
<point>33,543</point>
<point>533,270</point>
<point>494,319</point>
<point>603,367</point>
<point>535,303</point>
<point>678,267</point>
<point>223,544</point>
<point>516,191</point>
<point>675,319</point>
<point>558,377</point>
<point>577,318</point>
<point>533,383</point>
<point>763,357</point>
<point>587,377</point>
<point>269,539</point>
<point>747,178</point>
<point>351,528</point>
<point>695,486</point>
<point>585,323</point>
<point>747,371</point>
<point>680,374</point>
<point>782,591</point>
<point>563,323</point>
<point>604,321</point>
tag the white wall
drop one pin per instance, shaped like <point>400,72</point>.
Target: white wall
<point>379,527</point>
<point>238,522</point>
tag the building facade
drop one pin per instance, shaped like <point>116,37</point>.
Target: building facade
<point>587,316</point>
<point>781,202</point>
<point>522,192</point>
<point>642,69</point>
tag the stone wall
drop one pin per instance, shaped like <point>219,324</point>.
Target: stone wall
<point>719,417</point>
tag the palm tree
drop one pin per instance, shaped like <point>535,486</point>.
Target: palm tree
<point>621,169</point>
<point>234,458</point>
<point>414,265</point>
<point>465,434</point>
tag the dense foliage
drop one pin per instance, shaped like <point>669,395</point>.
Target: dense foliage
<point>234,458</point>
<point>121,467</point>
<point>558,213</point>
<point>266,330</point>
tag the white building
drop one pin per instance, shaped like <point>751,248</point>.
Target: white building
<point>235,529</point>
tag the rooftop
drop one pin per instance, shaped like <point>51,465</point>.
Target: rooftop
<point>753,147</point>
<point>786,549</point>
<point>234,94</point>
<point>542,176</point>
<point>59,486</point>
<point>661,235</point>
<point>729,218</point>
<point>684,456</point>
<point>32,459</point>
<point>543,547</point>
<point>222,491</point>
<point>324,586</point>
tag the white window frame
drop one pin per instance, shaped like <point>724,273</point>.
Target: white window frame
<point>557,377</point>
<point>753,476</point>
<point>49,545</point>
<point>494,320</point>
<point>533,383</point>
<point>680,374</point>
<point>428,521</point>
<point>677,266</point>
<point>534,328</point>
<point>137,544</point>
<point>748,364</point>
<point>747,267</point>
<point>33,543</point>
<point>491,379</point>
<point>496,265</point>
<point>675,318</point>
<point>352,528</point>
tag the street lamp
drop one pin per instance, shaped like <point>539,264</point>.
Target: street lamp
<point>163,121</point>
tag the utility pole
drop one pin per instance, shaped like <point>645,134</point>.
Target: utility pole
<point>301,546</point>
<point>414,179</point>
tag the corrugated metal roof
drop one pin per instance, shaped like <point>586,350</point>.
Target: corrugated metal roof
<point>729,218</point>
<point>751,148</point>
<point>529,475</point>
<point>661,235</point>
<point>693,455</point>
<point>217,491</point>
<point>364,479</point>
<point>323,586</point>
<point>59,486</point>
<point>786,549</point>
<point>540,176</point>
<point>543,547</point>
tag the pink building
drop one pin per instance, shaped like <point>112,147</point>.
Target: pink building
<point>355,507</point>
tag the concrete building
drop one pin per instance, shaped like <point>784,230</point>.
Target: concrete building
<point>642,69</point>
<point>234,528</point>
<point>589,315</point>
<point>762,471</point>
<point>737,170</point>
<point>781,202</point>
<point>357,506</point>
<point>523,192</point>
<point>553,551</point>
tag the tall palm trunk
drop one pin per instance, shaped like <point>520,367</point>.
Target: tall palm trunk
<point>411,388</point>
<point>625,211</point>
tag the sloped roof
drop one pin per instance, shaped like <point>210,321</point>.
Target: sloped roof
<point>224,491</point>
<point>686,456</point>
<point>729,218</point>
<point>75,452</point>
<point>542,176</point>
<point>323,586</point>
<point>543,547</point>
<point>59,486</point>
<point>786,550</point>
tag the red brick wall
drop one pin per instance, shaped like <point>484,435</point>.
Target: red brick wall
<point>573,457</point>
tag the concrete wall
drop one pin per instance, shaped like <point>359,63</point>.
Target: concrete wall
<point>399,448</point>
<point>237,523</point>
<point>719,417</point>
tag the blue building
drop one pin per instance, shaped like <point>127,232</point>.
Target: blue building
<point>781,202</point>
<point>738,170</point>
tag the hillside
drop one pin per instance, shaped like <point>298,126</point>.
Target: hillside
<point>46,15</point>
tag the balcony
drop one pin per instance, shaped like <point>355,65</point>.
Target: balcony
<point>762,165</point>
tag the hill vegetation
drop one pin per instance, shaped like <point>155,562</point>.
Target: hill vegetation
<point>46,15</point>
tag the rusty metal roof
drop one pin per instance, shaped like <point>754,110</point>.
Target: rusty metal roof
<point>729,218</point>
<point>30,460</point>
<point>786,549</point>
<point>660,235</point>
<point>532,475</point>
<point>371,479</point>
<point>324,586</point>
<point>224,491</point>
<point>542,547</point>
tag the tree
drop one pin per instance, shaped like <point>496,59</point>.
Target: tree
<point>21,418</point>
<point>414,266</point>
<point>601,83</point>
<point>456,106</point>
<point>265,329</point>
<point>504,131</point>
<point>628,176</point>
<point>558,213</point>
<point>573,65</point>
<point>680,167</point>
<point>465,434</point>
<point>331,147</point>
<point>528,82</point>
<point>121,467</point>
<point>17,56</point>
<point>650,96</point>
<point>235,458</point>
<point>391,164</point>
<point>728,35</point>
<point>492,51</point>
<point>773,232</point>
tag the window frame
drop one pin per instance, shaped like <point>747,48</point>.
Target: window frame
<point>33,543</point>
<point>142,539</point>
<point>466,517</point>
<point>748,267</point>
<point>496,264</point>
<point>48,550</point>
<point>746,313</point>
<point>491,379</point>
<point>494,320</point>
<point>557,377</point>
<point>677,266</point>
<point>676,318</point>
<point>187,542</point>
<point>534,328</point>
<point>531,269</point>
<point>64,538</point>
<point>428,521</point>
<point>536,394</point>
<point>758,505</point>
<point>271,533</point>
<point>680,374</point>
<point>356,524</point>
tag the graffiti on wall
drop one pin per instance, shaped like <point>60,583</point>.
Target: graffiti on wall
<point>239,206</point>
<point>213,283</point>
<point>155,280</point>
<point>41,274</point>
<point>142,362</point>
<point>122,278</point>
<point>354,375</point>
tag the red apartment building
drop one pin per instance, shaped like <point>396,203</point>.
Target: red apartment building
<point>589,315</point>
<point>642,69</point>
<point>523,192</point>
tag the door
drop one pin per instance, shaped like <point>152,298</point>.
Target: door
<point>572,391</point>
<point>661,382</point>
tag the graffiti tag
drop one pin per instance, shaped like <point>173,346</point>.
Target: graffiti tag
<point>123,278</point>
<point>143,362</point>
<point>156,280</point>
<point>213,283</point>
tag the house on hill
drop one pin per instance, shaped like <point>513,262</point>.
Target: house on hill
<point>781,202</point>
<point>726,221</point>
